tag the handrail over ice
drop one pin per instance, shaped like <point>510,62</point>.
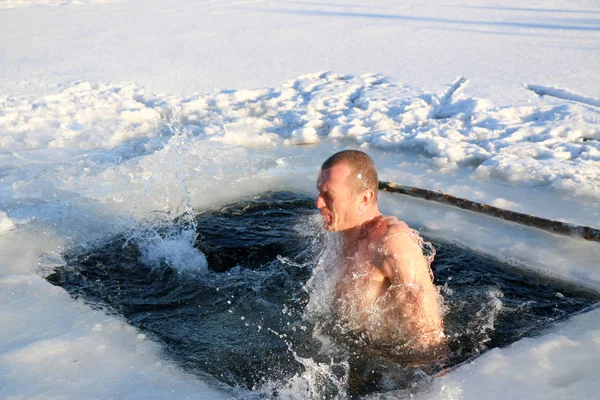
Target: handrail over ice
<point>557,227</point>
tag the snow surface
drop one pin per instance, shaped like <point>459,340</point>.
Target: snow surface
<point>559,365</point>
<point>26,3</point>
<point>112,110</point>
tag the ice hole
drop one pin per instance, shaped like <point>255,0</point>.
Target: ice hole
<point>241,320</point>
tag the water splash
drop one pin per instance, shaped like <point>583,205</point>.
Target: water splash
<point>167,234</point>
<point>320,379</point>
<point>321,285</point>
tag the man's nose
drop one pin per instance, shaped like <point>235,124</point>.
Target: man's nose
<point>320,202</point>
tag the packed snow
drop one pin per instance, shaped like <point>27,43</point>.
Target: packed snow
<point>113,110</point>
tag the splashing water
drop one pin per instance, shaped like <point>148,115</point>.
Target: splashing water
<point>167,236</point>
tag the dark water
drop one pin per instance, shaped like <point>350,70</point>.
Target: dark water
<point>241,321</point>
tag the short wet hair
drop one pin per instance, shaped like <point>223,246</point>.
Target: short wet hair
<point>364,172</point>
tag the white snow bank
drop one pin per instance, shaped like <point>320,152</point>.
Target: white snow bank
<point>96,155</point>
<point>54,347</point>
<point>83,116</point>
<point>115,151</point>
<point>554,146</point>
<point>561,364</point>
<point>562,93</point>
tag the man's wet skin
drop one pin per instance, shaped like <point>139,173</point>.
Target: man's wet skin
<point>385,293</point>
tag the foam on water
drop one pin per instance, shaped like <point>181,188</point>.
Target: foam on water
<point>173,247</point>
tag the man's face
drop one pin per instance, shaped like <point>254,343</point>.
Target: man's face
<point>337,200</point>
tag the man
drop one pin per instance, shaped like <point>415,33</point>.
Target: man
<point>385,295</point>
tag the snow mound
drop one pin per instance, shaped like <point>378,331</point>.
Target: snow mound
<point>531,368</point>
<point>555,145</point>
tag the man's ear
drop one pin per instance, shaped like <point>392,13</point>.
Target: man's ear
<point>367,196</point>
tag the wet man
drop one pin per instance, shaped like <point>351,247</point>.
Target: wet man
<point>385,294</point>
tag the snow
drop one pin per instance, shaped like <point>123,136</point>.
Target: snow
<point>55,347</point>
<point>527,145</point>
<point>205,45</point>
<point>112,111</point>
<point>55,3</point>
<point>541,364</point>
<point>563,94</point>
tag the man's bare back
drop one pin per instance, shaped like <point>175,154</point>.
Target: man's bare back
<point>385,293</point>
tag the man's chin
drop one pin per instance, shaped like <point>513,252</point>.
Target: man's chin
<point>330,227</point>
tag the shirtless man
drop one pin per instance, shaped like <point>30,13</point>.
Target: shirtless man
<point>385,294</point>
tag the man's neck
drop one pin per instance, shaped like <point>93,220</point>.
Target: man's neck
<point>353,235</point>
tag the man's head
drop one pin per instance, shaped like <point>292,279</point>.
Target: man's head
<point>347,187</point>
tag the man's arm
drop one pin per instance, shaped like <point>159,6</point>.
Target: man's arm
<point>411,302</point>
<point>403,262</point>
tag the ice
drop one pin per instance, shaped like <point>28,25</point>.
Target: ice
<point>136,109</point>
<point>531,368</point>
<point>54,347</point>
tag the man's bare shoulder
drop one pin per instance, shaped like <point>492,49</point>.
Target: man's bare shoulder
<point>395,226</point>
<point>398,236</point>
<point>388,231</point>
<point>383,227</point>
